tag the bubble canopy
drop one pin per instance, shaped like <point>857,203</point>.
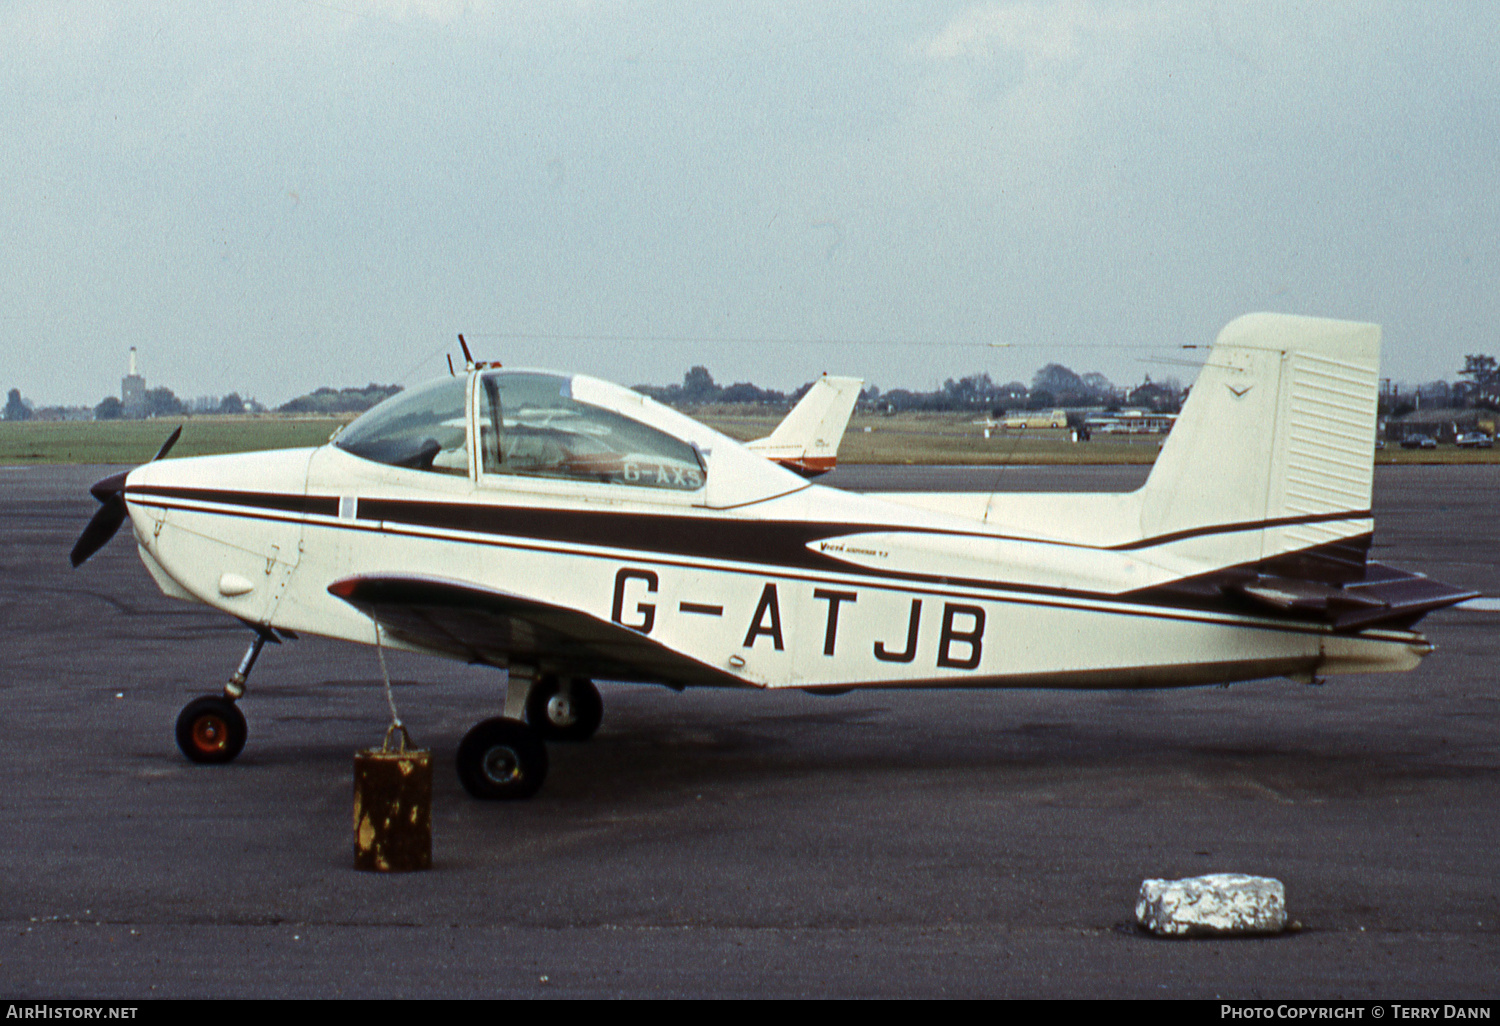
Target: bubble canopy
<point>422,428</point>
<point>529,424</point>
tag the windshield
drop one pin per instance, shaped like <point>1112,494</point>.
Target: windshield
<point>545,432</point>
<point>422,429</point>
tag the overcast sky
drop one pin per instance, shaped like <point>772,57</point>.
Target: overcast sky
<point>266,197</point>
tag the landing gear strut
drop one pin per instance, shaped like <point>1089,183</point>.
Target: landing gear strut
<point>212,729</point>
<point>565,710</point>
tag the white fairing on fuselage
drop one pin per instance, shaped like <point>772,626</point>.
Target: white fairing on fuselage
<point>194,550</point>
<point>762,579</point>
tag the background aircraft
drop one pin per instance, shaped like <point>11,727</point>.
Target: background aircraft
<point>807,441</point>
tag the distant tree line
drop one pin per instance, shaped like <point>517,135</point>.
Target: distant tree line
<point>155,402</point>
<point>1481,390</point>
<point>342,400</point>
<point>699,389</point>
<point>161,402</point>
<point>1052,386</point>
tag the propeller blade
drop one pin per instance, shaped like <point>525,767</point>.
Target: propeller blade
<point>101,528</point>
<point>166,446</point>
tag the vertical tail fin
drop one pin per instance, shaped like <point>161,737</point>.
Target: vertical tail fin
<point>1278,429</point>
<point>1271,464</point>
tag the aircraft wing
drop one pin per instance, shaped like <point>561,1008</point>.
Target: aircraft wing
<point>485,625</point>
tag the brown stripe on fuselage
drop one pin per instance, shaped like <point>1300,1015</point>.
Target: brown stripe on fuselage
<point>1244,525</point>
<point>785,544</point>
<point>317,505</point>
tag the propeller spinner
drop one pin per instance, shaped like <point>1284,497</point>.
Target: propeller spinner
<point>111,513</point>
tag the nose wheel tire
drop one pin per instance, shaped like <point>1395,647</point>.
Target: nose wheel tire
<point>211,730</point>
<point>502,760</point>
<point>560,713</point>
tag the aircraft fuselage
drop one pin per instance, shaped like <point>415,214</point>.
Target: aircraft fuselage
<point>780,593</point>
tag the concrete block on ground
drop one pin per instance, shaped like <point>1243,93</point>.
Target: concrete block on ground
<point>1222,904</point>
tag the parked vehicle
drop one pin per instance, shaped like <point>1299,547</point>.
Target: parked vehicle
<point>1039,419</point>
<point>1418,442</point>
<point>1475,440</point>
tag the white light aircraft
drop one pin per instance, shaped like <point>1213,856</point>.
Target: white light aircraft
<point>567,529</point>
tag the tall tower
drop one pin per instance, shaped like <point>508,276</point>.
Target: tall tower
<point>133,391</point>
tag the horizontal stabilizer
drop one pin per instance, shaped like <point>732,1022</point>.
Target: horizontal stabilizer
<point>1294,596</point>
<point>1387,597</point>
<point>1404,598</point>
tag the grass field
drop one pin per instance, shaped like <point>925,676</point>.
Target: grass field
<point>951,438</point>
<point>948,439</point>
<point>136,441</point>
<point>901,439</point>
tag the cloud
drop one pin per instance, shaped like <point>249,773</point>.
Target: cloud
<point>1044,34</point>
<point>441,12</point>
<point>1022,101</point>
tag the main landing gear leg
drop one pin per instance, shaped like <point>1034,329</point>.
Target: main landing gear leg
<point>212,729</point>
<point>565,709</point>
<point>504,758</point>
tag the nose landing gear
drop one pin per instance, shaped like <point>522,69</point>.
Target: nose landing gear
<point>212,730</point>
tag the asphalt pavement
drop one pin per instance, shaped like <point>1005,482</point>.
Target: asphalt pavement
<point>719,843</point>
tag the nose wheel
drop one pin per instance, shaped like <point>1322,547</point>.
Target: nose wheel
<point>211,730</point>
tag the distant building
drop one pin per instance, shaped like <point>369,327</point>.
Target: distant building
<point>1434,393</point>
<point>133,391</point>
<point>1130,422</point>
<point>64,413</point>
<point>1442,424</point>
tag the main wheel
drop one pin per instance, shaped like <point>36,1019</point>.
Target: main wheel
<point>569,713</point>
<point>500,760</point>
<point>211,730</point>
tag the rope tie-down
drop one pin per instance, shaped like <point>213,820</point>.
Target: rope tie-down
<point>392,795</point>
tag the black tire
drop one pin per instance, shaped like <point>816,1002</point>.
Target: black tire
<point>502,760</point>
<point>211,730</point>
<point>565,714</point>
